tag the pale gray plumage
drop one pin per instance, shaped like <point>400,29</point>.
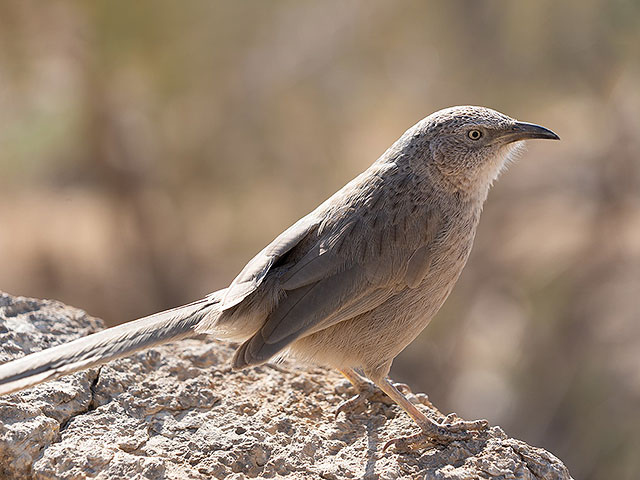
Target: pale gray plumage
<point>103,346</point>
<point>353,282</point>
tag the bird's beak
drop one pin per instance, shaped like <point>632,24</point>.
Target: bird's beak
<point>527,131</point>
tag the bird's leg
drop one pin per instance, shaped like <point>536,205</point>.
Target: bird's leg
<point>365,390</point>
<point>432,432</point>
<point>357,380</point>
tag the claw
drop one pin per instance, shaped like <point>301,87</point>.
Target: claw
<point>367,392</point>
<point>350,406</point>
<point>451,418</point>
<point>403,387</point>
<point>408,443</point>
<point>438,434</point>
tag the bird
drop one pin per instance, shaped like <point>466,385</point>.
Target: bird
<point>352,283</point>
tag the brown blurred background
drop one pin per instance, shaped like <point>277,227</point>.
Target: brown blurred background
<point>149,149</point>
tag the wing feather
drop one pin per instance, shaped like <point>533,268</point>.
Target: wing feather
<point>322,260</point>
<point>369,246</point>
<point>253,274</point>
<point>300,310</point>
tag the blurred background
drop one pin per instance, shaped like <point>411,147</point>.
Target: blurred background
<point>149,149</point>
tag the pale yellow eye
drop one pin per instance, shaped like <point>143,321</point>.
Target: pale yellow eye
<point>474,134</point>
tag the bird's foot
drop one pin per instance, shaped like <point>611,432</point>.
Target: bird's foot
<point>367,393</point>
<point>351,405</point>
<point>443,433</point>
<point>403,387</point>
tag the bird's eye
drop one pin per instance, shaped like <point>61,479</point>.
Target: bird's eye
<point>474,134</point>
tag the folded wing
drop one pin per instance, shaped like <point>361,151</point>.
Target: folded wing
<point>352,269</point>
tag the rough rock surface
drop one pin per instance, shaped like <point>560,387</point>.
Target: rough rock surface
<point>178,412</point>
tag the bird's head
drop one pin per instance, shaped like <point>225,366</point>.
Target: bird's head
<point>469,146</point>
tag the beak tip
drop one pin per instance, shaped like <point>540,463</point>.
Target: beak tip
<point>530,131</point>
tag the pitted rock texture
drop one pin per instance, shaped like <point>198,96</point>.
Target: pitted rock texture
<point>179,412</point>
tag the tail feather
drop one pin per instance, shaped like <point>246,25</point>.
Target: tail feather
<point>106,345</point>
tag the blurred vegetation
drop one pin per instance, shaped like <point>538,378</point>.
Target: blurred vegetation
<point>149,149</point>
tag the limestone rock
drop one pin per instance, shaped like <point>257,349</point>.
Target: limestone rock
<point>179,412</point>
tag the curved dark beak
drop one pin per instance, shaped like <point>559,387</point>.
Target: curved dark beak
<point>528,131</point>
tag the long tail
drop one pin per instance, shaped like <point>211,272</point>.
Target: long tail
<point>106,345</point>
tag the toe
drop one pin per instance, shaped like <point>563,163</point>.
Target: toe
<point>351,405</point>
<point>403,387</point>
<point>410,443</point>
<point>466,426</point>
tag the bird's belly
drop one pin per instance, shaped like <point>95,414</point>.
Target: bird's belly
<point>378,336</point>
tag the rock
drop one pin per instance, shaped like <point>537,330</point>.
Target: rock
<point>179,412</point>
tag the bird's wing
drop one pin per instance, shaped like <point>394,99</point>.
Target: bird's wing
<point>252,275</point>
<point>308,309</point>
<point>356,265</point>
